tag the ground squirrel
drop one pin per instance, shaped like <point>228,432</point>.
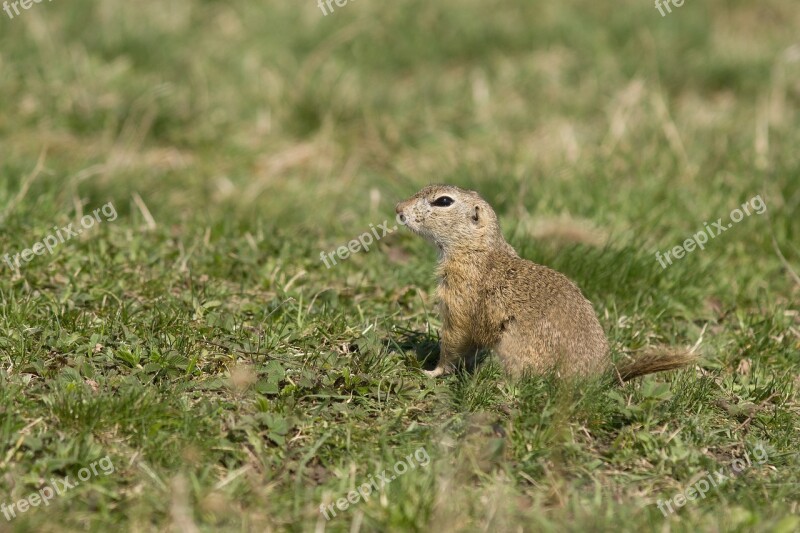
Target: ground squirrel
<point>534,319</point>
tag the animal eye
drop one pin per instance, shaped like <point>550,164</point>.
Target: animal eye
<point>443,201</point>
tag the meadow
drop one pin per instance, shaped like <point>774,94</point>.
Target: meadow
<point>236,382</point>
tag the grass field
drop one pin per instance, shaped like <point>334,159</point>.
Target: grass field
<point>195,340</point>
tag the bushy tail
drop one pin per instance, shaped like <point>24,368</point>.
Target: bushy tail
<point>654,360</point>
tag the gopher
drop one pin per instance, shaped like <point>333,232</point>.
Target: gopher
<point>533,318</point>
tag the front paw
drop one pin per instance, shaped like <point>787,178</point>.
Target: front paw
<point>436,372</point>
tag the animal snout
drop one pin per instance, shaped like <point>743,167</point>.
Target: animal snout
<point>399,210</point>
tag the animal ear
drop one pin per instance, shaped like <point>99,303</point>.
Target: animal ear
<point>476,214</point>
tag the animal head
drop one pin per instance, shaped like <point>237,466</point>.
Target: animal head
<point>451,218</point>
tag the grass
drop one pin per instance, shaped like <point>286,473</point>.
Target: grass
<point>237,384</point>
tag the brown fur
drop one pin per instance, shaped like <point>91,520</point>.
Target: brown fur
<point>654,360</point>
<point>534,318</point>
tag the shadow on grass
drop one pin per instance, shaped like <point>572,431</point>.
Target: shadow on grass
<point>424,345</point>
<point>426,350</point>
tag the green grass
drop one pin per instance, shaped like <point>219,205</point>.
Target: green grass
<point>236,383</point>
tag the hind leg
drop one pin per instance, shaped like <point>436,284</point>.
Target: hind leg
<point>520,354</point>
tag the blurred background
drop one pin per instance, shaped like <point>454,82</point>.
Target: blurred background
<point>606,111</point>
